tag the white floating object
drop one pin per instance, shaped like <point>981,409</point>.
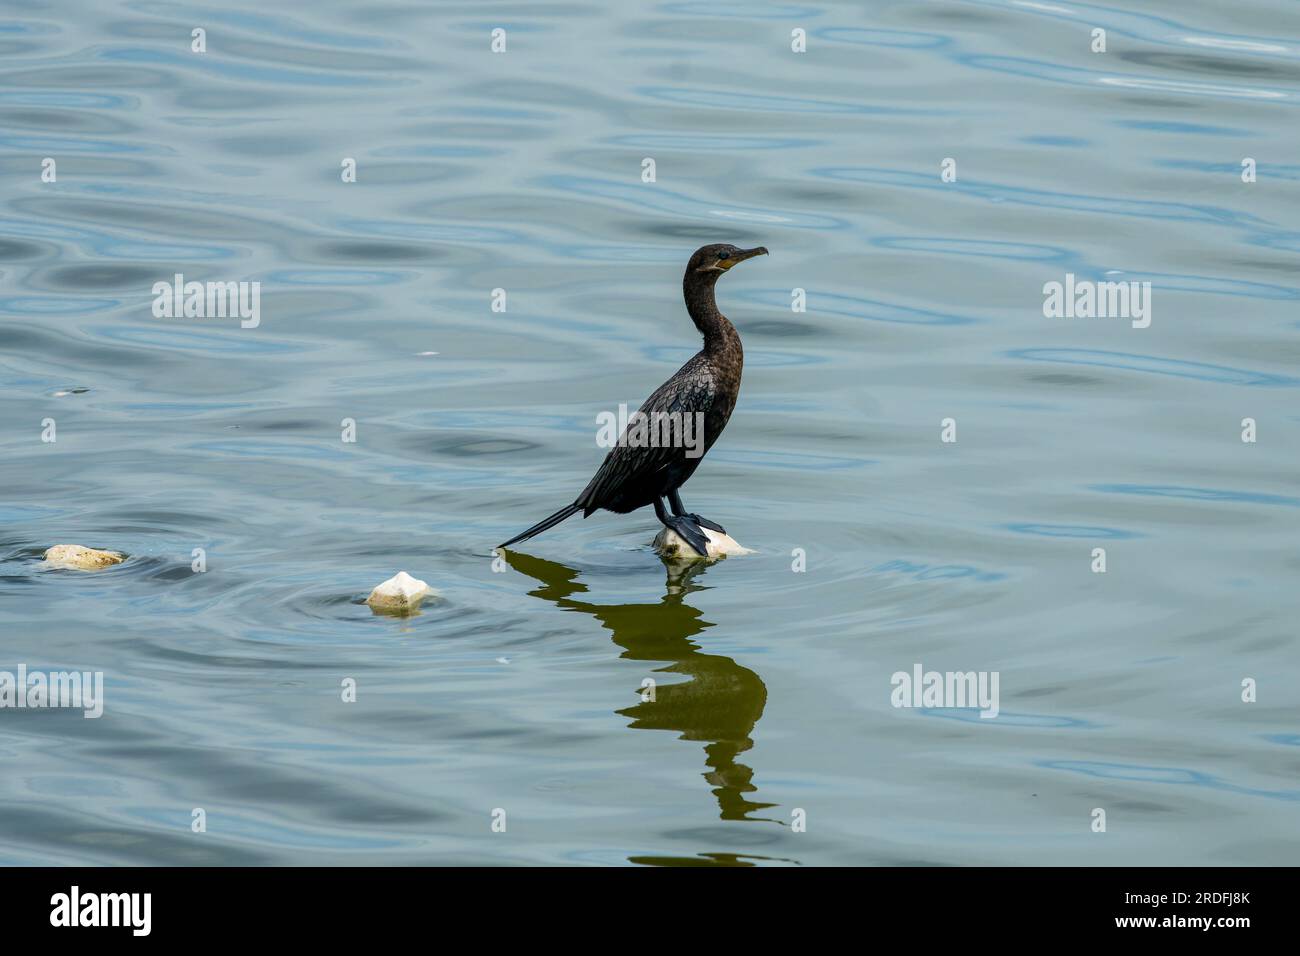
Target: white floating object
<point>80,558</point>
<point>400,593</point>
<point>670,544</point>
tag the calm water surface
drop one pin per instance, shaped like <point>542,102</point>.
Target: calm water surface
<point>520,688</point>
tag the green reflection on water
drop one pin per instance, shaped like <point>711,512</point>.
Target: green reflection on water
<point>719,704</point>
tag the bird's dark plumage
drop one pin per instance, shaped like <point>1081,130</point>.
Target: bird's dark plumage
<point>633,476</point>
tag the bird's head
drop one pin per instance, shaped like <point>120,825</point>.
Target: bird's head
<point>716,259</point>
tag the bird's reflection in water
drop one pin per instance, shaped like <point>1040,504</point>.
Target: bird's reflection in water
<point>720,702</point>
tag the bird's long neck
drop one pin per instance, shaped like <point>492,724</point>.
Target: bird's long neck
<point>719,334</point>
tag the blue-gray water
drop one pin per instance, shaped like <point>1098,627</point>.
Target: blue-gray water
<point>518,689</point>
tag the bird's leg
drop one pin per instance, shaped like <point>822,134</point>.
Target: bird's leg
<point>679,509</point>
<point>685,528</point>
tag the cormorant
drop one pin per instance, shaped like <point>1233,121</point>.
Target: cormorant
<point>633,476</point>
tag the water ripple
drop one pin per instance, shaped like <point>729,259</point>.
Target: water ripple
<point>1072,531</point>
<point>856,307</point>
<point>1020,195</point>
<point>1198,494</point>
<point>1154,365</point>
<point>1055,73</point>
<point>660,199</point>
<point>729,100</point>
<point>1169,775</point>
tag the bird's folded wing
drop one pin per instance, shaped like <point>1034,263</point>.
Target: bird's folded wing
<point>690,391</point>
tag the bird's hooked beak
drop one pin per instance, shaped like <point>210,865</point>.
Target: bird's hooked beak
<point>725,264</point>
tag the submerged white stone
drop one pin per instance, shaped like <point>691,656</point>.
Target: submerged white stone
<point>80,558</point>
<point>670,544</point>
<point>401,592</point>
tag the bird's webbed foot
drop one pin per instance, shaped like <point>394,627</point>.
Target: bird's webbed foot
<point>706,523</point>
<point>689,532</point>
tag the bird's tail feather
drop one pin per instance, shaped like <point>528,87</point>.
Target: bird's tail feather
<point>544,524</point>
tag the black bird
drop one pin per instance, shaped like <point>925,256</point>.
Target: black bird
<point>635,475</point>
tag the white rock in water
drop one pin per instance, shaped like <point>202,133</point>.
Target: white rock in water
<point>81,558</point>
<point>399,593</point>
<point>670,544</point>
